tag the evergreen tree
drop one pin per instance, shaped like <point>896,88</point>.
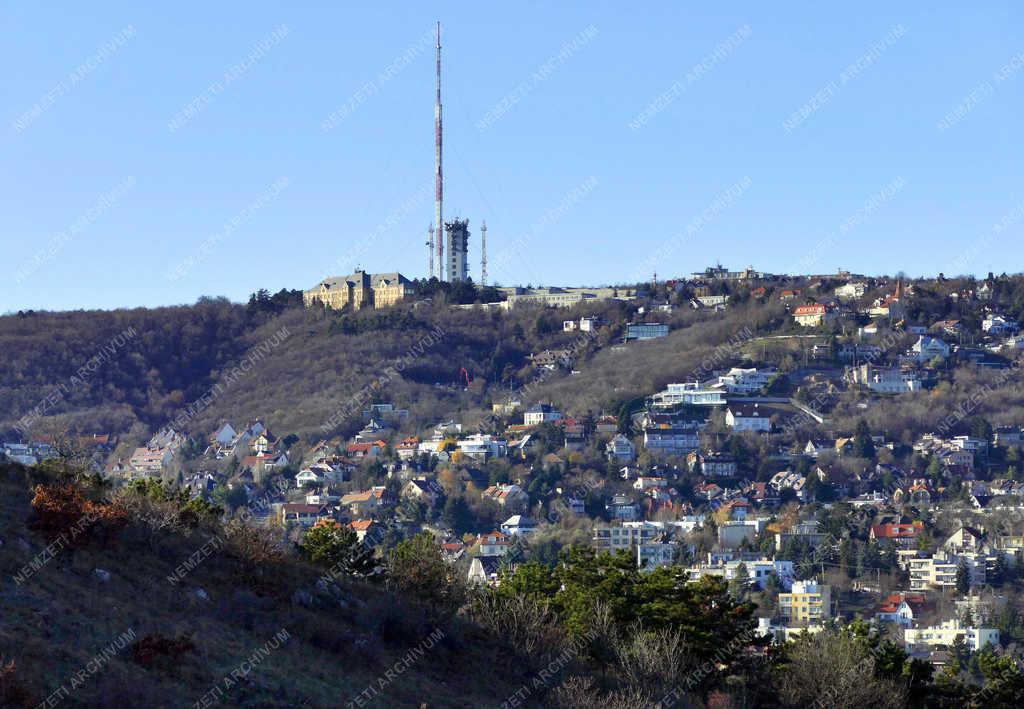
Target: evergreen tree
<point>963,578</point>
<point>863,445</point>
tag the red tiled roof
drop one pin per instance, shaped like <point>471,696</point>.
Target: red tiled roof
<point>897,531</point>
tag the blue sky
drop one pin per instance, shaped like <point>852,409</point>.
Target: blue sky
<point>791,157</point>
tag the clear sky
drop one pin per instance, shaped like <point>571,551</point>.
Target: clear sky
<point>659,136</point>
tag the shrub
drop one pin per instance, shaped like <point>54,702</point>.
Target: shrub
<point>62,511</point>
<point>417,569</point>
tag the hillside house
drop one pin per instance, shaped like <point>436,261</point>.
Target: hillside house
<point>747,417</point>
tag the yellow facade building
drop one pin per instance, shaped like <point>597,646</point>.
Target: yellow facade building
<point>809,602</point>
<point>359,290</point>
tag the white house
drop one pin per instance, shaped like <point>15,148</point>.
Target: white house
<point>945,634</point>
<point>691,393</point>
<point>883,380</point>
<point>928,348</point>
<point>541,413</point>
<point>745,381</point>
<point>621,449</point>
<point>812,315</point>
<point>999,325</point>
<point>307,478</point>
<point>480,446</point>
<point>519,526</point>
<point>854,289</point>
<point>747,417</point>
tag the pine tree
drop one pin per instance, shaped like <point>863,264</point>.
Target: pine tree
<point>863,445</point>
<point>963,578</point>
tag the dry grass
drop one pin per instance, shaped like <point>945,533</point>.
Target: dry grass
<point>62,617</point>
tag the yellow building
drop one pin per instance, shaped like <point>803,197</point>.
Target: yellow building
<point>809,602</point>
<point>390,288</point>
<point>359,290</point>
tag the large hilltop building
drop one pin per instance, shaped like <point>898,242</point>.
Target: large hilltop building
<point>359,290</point>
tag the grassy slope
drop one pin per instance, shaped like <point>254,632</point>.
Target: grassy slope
<point>59,619</point>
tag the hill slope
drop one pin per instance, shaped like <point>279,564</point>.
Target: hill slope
<point>100,624</point>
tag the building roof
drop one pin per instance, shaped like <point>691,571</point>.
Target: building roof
<point>897,531</point>
<point>300,508</point>
<point>740,410</point>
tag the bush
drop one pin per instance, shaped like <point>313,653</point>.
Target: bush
<point>417,569</point>
<point>338,548</point>
<point>62,511</point>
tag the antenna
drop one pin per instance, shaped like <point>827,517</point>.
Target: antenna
<point>430,249</point>
<point>483,254</point>
<point>439,175</point>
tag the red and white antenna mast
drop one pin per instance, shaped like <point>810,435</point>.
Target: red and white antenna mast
<point>439,176</point>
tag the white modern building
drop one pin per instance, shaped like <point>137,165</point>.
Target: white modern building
<point>945,634</point>
<point>691,393</point>
<point>740,380</point>
<point>480,446</point>
<point>883,380</point>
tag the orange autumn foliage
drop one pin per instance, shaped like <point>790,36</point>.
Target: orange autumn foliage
<point>63,511</point>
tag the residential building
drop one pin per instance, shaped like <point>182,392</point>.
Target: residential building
<point>646,331</point>
<point>609,538</point>
<point>519,526</point>
<point>1007,436</point>
<point>367,502</point>
<point>898,535</point>
<point>691,393</point>
<point>712,465</point>
<point>560,297</point>
<point>939,570</point>
<point>552,360</point>
<point>747,417</point>
<point>367,529</point>
<point>426,490</point>
<point>494,543</point>
<point>998,325</point>
<point>484,570</point>
<point>851,290</point>
<point>480,446</point>
<point>903,609</point>
<point>621,449</point>
<point>507,407</point>
<point>506,495</point>
<point>813,315</point>
<point>672,440</point>
<point>928,348</point>
<point>883,380</point>
<point>303,515</point>
<point>807,532</point>
<point>732,534</point>
<point>945,635</point>
<point>366,450</point>
<point>808,602</point>
<point>855,353</point>
<point>623,508</point>
<point>541,413</point>
<point>751,380</point>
